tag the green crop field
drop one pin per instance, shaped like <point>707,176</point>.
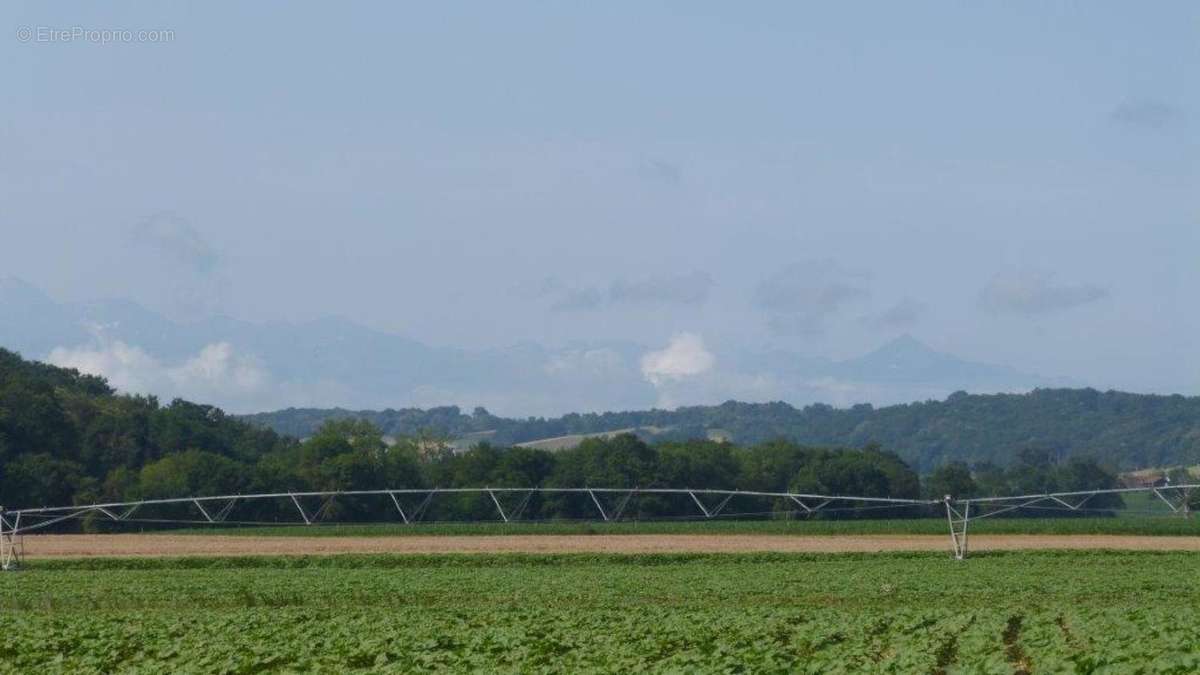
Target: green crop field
<point>923,613</point>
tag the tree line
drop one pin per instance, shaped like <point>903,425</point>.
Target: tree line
<point>1122,430</point>
<point>68,438</point>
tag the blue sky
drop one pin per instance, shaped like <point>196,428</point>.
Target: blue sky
<point>1011,182</point>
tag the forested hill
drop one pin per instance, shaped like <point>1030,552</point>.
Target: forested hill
<point>1123,430</point>
<point>68,438</point>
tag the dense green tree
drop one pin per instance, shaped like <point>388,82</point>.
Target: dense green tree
<point>953,479</point>
<point>191,473</point>
<point>699,463</point>
<point>1032,472</point>
<point>477,467</point>
<point>1084,473</point>
<point>400,466</point>
<point>118,434</point>
<point>33,419</point>
<point>771,466</point>
<point>842,473</point>
<point>903,482</point>
<point>621,461</point>
<point>523,467</point>
<point>40,479</point>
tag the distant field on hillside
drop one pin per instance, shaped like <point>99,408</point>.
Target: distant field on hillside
<point>572,440</point>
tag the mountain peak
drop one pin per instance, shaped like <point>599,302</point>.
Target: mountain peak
<point>11,283</point>
<point>904,354</point>
<point>16,292</point>
<point>907,359</point>
<point>906,344</point>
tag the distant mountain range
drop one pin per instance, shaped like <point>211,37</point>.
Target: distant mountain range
<point>246,366</point>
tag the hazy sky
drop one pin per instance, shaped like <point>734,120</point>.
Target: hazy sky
<point>1012,182</point>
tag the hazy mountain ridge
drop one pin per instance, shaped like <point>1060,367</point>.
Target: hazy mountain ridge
<point>333,362</point>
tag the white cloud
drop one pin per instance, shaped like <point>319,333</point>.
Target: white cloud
<point>216,371</point>
<point>217,374</point>
<point>685,356</point>
<point>600,362</point>
<point>126,367</point>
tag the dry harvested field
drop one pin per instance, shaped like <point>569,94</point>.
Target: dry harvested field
<point>122,545</point>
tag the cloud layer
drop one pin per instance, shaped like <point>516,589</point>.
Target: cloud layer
<point>173,237</point>
<point>185,268</point>
<point>1143,114</point>
<point>903,314</point>
<point>800,297</point>
<point>1034,292</point>
<point>593,363</point>
<point>684,289</point>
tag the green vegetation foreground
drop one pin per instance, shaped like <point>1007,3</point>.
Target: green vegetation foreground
<point>1019,612</point>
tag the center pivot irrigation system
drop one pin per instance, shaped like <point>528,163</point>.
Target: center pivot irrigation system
<point>216,510</point>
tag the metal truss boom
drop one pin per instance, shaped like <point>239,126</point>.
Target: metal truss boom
<point>216,509</point>
<point>958,511</point>
<point>468,490</point>
<point>10,540</point>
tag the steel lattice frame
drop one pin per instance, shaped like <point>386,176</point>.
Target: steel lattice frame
<point>216,509</point>
<point>10,539</point>
<point>958,511</point>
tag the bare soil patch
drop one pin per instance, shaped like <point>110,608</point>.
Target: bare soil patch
<point>140,545</point>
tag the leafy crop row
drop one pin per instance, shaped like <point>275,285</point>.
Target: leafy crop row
<point>1020,612</point>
